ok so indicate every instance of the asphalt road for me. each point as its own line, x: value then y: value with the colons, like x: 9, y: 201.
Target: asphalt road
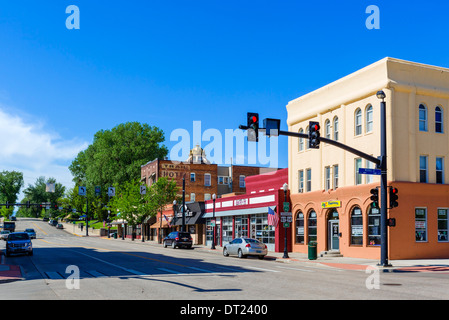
x: 65, y: 266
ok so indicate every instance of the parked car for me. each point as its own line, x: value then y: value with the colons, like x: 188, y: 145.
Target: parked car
x: 31, y: 233
x: 178, y: 239
x: 19, y: 242
x: 243, y: 247
x: 4, y: 234
x: 45, y: 219
x: 59, y: 226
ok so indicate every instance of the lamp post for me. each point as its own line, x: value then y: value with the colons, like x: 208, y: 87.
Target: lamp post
x: 174, y: 212
x: 183, y: 229
x: 383, y: 182
x: 285, y: 188
x: 213, y: 219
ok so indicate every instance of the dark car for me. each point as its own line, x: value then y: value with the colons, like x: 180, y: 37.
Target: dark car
x: 31, y: 233
x: 178, y: 239
x: 19, y: 242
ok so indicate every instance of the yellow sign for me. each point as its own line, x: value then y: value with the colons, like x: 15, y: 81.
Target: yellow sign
x: 331, y: 204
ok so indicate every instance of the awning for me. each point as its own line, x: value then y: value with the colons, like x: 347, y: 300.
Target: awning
x: 193, y: 214
x: 239, y: 212
x: 195, y: 219
x: 158, y: 224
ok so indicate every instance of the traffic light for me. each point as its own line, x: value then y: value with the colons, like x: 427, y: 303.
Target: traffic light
x: 374, y: 198
x: 28, y: 205
x: 314, y: 135
x: 7, y: 204
x: 393, y: 197
x: 253, y: 126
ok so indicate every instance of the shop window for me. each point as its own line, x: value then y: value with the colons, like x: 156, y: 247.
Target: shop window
x: 311, y: 227
x: 260, y: 229
x: 356, y: 226
x: 374, y: 227
x: 227, y: 229
x: 420, y: 224
x: 299, y: 228
x: 443, y: 226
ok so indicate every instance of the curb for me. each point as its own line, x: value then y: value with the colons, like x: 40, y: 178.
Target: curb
x: 13, y: 273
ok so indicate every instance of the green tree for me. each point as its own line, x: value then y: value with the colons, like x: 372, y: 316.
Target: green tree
x: 115, y: 158
x: 10, y: 184
x: 37, y: 194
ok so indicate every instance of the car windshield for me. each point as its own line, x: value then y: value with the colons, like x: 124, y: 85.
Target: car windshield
x: 29, y: 230
x: 5, y: 232
x: 18, y: 236
x: 184, y: 234
x: 251, y: 240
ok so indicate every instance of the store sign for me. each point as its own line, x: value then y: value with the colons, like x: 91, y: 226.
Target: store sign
x: 241, y: 202
x: 331, y: 204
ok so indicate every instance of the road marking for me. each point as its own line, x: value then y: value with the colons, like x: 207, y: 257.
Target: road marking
x: 170, y: 271
x: 96, y: 274
x: 202, y: 270
x: 40, y: 229
x: 298, y: 269
x: 261, y: 269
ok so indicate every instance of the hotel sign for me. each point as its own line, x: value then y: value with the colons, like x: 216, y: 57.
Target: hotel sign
x: 331, y: 204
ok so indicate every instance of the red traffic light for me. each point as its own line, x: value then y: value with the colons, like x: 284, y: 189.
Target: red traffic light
x: 394, y: 190
x: 254, y: 119
x: 316, y: 127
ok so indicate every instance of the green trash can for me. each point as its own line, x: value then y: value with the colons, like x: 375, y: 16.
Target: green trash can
x: 115, y: 235
x: 312, y: 251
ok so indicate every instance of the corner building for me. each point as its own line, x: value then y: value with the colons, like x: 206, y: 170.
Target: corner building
x: 331, y: 200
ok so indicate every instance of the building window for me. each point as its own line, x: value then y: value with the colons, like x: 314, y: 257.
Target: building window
x: 192, y: 197
x: 311, y: 224
x: 242, y: 181
x: 438, y: 120
x: 227, y: 229
x: 309, y: 180
x: 440, y: 170
x: 374, y: 227
x: 335, y: 176
x: 207, y: 196
x: 420, y: 224
x: 301, y: 181
x: 422, y: 118
x: 336, y: 128
x: 207, y: 179
x: 301, y: 142
x: 358, y: 122
x: 327, y: 129
x: 358, y: 176
x: 327, y: 178
x: 369, y: 118
x: 369, y: 177
x: 356, y: 226
x: 422, y: 168
x: 192, y: 177
x: 443, y: 226
x: 299, y: 227
x: 260, y: 230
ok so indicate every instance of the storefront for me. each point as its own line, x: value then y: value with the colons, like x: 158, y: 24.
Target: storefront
x: 194, y: 221
x: 247, y: 215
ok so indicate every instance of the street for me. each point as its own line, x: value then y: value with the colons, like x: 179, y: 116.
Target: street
x: 65, y: 266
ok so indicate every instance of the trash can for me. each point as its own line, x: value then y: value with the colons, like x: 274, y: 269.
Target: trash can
x: 312, y: 251
x: 115, y: 235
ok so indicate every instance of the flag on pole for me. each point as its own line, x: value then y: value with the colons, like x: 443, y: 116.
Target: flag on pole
x: 168, y: 221
x: 272, y: 217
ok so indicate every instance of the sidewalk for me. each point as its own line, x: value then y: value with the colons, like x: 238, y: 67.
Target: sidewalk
x: 8, y: 272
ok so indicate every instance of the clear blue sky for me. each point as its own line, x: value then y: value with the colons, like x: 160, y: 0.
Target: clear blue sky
x: 169, y: 63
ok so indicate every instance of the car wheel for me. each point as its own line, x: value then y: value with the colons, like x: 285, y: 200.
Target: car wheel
x: 225, y: 252
x: 261, y: 257
x: 165, y: 244
x: 173, y: 245
x: 30, y: 253
x: 241, y: 254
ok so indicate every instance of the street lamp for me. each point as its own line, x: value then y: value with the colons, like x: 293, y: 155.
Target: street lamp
x: 213, y: 219
x: 175, y: 211
x: 383, y: 182
x: 285, y: 188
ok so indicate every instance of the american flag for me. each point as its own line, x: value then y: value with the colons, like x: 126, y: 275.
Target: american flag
x: 272, y: 217
x: 168, y: 221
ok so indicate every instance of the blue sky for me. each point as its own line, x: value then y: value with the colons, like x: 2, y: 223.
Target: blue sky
x: 169, y: 63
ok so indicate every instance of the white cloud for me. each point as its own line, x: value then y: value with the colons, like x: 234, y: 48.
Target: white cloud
x: 30, y: 148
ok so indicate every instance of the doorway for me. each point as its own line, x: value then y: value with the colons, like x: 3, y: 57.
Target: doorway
x: 333, y: 231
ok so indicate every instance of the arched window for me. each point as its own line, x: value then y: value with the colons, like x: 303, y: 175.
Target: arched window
x: 358, y: 122
x: 327, y: 128
x: 299, y: 227
x: 374, y: 227
x: 311, y: 227
x: 422, y: 118
x: 301, y: 141
x: 356, y: 226
x: 369, y: 118
x: 336, y: 128
x: 438, y: 119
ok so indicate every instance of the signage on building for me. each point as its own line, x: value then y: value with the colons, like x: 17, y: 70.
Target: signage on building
x: 331, y: 204
x: 241, y: 202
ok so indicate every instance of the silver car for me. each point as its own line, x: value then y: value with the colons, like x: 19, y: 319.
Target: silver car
x: 243, y: 247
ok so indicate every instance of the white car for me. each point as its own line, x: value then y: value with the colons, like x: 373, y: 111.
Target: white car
x: 243, y: 247
x: 4, y: 234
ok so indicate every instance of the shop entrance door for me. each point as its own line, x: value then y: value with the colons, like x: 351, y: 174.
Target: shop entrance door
x: 334, y: 235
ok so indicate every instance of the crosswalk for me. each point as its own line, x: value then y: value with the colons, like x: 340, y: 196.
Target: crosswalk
x: 187, y: 270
